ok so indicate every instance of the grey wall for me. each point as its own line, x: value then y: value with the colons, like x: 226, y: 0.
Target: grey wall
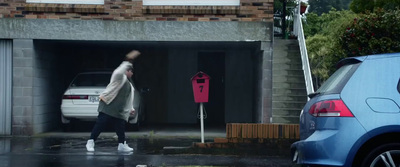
x: 46, y: 89
x: 23, y: 58
x: 265, y: 82
x: 36, y: 88
x: 134, y: 30
x: 258, y: 93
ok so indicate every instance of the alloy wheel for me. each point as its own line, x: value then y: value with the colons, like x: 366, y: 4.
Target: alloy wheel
x: 387, y: 159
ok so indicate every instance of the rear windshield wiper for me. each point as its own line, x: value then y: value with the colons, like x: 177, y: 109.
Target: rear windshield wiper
x: 311, y: 95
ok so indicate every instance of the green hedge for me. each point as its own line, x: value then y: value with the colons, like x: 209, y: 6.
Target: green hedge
x: 372, y: 33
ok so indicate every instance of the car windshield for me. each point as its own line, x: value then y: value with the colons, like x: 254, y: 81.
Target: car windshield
x: 91, y: 79
x: 336, y: 82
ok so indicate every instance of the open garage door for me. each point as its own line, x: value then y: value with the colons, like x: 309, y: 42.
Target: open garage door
x: 213, y: 64
x: 5, y: 86
x: 161, y: 74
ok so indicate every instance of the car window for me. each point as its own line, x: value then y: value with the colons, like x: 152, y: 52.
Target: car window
x: 337, y: 80
x: 100, y: 80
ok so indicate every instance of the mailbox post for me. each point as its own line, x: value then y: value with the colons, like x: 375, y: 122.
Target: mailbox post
x: 200, y: 83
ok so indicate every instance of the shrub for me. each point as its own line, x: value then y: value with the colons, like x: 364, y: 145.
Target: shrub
x: 372, y: 33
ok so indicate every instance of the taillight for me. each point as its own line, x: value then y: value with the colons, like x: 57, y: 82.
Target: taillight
x: 330, y: 108
x: 75, y: 97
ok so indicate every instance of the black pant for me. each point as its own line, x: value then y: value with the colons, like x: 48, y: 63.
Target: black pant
x: 103, y: 120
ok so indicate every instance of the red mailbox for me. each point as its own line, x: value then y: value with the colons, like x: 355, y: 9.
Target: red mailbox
x: 200, y: 83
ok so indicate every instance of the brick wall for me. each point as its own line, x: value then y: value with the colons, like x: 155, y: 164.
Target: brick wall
x: 262, y: 131
x: 249, y: 10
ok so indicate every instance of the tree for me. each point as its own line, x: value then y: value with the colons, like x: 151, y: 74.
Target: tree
x: 318, y: 47
x: 283, y: 8
x: 323, y: 45
x: 278, y: 5
x: 319, y: 6
x: 346, y: 4
x: 324, y: 6
x: 314, y: 24
x: 361, y: 6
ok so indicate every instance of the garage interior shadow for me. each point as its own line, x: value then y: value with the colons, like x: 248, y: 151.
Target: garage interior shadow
x: 165, y: 68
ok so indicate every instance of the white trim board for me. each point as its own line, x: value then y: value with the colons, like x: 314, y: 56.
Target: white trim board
x: 89, y: 2
x: 191, y: 2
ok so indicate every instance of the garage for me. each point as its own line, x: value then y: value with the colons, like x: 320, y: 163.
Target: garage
x: 164, y: 68
x: 47, y: 54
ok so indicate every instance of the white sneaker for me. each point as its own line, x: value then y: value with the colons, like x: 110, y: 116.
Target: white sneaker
x: 124, y: 147
x: 90, y: 145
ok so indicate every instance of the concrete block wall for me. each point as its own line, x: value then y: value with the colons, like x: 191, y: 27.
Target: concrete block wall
x: 266, y: 84
x: 34, y: 98
x: 249, y: 10
x: 46, y: 91
x: 23, y: 58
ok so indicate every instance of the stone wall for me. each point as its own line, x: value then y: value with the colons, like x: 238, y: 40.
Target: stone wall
x: 249, y: 10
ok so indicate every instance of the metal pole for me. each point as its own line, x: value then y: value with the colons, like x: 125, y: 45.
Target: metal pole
x: 202, y: 122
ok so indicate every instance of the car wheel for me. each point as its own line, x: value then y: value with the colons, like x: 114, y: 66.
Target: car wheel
x: 384, y: 155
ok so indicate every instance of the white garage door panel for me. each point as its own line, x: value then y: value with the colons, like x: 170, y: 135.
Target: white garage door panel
x: 5, y: 86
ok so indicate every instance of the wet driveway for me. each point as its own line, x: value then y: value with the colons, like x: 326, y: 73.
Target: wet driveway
x: 61, y: 149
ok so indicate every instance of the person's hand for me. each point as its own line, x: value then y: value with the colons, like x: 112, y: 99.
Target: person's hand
x: 132, y: 55
x: 132, y: 112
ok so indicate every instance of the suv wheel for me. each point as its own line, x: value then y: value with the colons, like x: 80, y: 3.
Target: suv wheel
x: 384, y: 155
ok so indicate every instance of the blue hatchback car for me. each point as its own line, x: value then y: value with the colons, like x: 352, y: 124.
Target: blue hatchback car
x: 353, y: 119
